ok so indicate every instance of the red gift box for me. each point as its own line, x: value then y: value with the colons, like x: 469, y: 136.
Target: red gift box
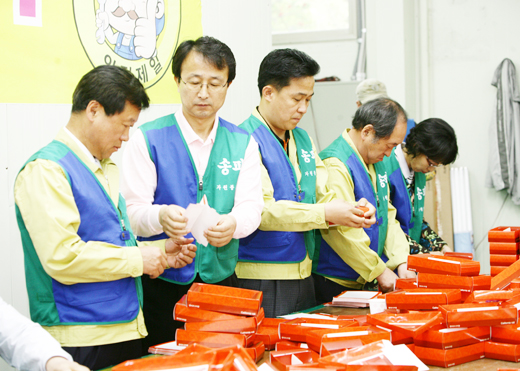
x: 463, y: 283
x: 487, y: 296
x: 428, y: 263
x: 256, y: 351
x: 415, y: 299
x: 450, y: 357
x: 502, y: 259
x: 456, y: 254
x: 503, y: 351
x: 298, y: 328
x: 504, y: 234
x: 496, y: 270
x: 346, y: 337
x: 224, y: 299
x: 503, y: 248
x: 504, y: 278
x: 409, y: 324
x: 506, y: 334
x: 406, y: 283
x: 244, y: 325
x: 477, y: 314
x: 283, y: 358
x: 441, y: 337
x: 213, y: 339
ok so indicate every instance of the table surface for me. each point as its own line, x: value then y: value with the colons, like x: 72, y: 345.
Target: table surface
x: 484, y: 364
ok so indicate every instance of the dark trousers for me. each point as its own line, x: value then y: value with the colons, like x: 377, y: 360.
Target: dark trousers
x: 326, y: 289
x: 102, y: 356
x: 160, y: 297
x: 282, y: 297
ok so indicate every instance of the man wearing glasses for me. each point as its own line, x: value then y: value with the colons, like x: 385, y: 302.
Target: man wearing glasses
x: 176, y: 160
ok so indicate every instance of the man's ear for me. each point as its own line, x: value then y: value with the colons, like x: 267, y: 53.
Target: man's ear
x: 268, y: 92
x: 367, y: 131
x: 94, y: 108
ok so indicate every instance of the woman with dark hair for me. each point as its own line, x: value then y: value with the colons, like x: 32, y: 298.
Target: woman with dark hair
x: 430, y: 143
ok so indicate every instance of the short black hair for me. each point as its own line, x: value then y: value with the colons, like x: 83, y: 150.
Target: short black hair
x: 381, y: 113
x: 214, y: 51
x: 112, y: 87
x: 281, y: 65
x: 434, y: 138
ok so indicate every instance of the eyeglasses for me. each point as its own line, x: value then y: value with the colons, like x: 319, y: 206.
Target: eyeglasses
x: 431, y: 163
x: 197, y: 86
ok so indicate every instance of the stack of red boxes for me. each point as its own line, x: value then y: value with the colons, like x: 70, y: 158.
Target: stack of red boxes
x: 503, y: 248
x: 219, y: 316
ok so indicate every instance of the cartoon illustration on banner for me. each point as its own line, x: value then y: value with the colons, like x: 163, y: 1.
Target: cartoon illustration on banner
x: 140, y: 35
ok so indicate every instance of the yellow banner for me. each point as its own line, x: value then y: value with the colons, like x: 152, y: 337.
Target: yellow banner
x: 47, y: 45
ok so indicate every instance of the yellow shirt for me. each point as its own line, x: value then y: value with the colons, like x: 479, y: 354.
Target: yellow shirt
x: 289, y: 216
x: 46, y: 203
x: 353, y: 244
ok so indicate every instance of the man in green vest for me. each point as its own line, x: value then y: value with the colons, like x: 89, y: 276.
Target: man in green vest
x: 277, y: 258
x: 348, y: 258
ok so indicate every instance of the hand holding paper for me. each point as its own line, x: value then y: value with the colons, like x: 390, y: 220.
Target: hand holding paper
x: 201, y: 217
x: 222, y: 233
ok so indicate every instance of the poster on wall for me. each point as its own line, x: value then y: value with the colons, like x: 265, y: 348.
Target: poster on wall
x: 52, y: 44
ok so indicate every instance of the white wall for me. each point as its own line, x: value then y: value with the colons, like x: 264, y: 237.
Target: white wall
x: 24, y: 128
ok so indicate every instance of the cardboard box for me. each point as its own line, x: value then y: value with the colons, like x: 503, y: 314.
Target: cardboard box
x: 448, y: 338
x: 283, y: 358
x: 450, y: 357
x: 504, y: 248
x: 463, y: 283
x: 477, y: 314
x: 420, y: 299
x: 504, y: 234
x: 437, y: 264
x: 298, y: 328
x: 409, y: 324
x: 504, y: 278
x: 346, y: 337
x: 502, y: 259
x: 506, y: 334
x: 503, y: 351
x: 213, y: 339
x: 268, y: 335
x: 182, y: 313
x: 495, y: 270
x: 224, y: 299
x: 244, y: 325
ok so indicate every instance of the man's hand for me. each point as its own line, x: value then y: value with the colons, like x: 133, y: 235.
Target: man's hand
x: 403, y: 272
x: 343, y: 213
x: 174, y: 222
x: 62, y: 364
x: 180, y: 254
x: 370, y: 215
x: 386, y: 280
x: 154, y: 261
x: 222, y: 233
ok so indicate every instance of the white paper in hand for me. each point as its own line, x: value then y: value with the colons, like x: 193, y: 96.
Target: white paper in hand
x: 201, y: 217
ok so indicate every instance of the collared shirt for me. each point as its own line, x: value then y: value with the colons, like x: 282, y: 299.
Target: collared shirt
x: 353, y: 244
x: 44, y: 197
x: 289, y: 216
x: 399, y: 155
x: 139, y: 187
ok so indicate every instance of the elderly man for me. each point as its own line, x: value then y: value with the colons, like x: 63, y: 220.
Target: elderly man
x: 276, y: 259
x: 182, y: 158
x: 82, y: 262
x: 347, y: 258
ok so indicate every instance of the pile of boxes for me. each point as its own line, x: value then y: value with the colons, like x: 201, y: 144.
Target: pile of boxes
x: 448, y: 315
x: 504, y: 245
